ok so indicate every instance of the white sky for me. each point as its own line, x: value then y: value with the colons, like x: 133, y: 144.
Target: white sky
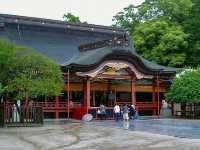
x: 93, y: 11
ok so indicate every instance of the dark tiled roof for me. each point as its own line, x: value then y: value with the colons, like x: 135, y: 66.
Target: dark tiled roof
x: 60, y: 45
x: 59, y: 24
x: 95, y: 57
x: 61, y: 41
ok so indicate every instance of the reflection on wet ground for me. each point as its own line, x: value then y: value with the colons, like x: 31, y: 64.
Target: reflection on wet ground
x: 172, y: 127
x: 97, y: 135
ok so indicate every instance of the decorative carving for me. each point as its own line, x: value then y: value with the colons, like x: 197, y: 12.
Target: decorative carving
x: 116, y: 68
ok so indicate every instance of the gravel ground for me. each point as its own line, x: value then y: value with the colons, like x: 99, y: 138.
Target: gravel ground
x: 86, y: 136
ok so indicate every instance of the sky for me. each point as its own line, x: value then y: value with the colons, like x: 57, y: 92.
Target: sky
x: 98, y: 12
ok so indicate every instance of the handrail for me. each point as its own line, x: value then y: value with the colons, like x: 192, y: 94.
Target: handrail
x: 60, y: 105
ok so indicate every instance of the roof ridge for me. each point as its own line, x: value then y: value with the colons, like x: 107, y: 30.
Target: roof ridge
x: 43, y: 21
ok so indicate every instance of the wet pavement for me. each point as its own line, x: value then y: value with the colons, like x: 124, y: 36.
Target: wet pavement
x: 73, y: 135
x: 182, y: 128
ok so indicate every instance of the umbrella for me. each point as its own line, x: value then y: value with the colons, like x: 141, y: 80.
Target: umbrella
x: 87, y: 117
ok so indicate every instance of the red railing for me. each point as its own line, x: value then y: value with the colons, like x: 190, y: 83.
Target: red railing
x: 141, y: 105
x: 77, y: 110
x: 54, y: 105
x: 146, y: 105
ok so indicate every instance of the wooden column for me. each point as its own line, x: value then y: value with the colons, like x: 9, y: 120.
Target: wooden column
x: 173, y: 109
x: 158, y: 94
x: 154, y: 97
x: 109, y: 102
x: 115, y: 96
x: 68, y: 93
x: 56, y: 105
x: 133, y: 91
x: 86, y: 89
x: 26, y: 100
x: 93, y: 97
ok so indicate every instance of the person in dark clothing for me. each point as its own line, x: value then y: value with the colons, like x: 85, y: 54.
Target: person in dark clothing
x: 132, y: 111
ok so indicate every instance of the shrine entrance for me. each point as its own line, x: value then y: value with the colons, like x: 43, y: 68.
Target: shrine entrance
x: 110, y: 91
x: 111, y: 82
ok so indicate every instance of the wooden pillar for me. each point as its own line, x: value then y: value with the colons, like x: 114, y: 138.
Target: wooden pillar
x: 68, y: 93
x: 158, y: 94
x: 108, y: 101
x: 86, y: 89
x: 115, y: 95
x: 154, y: 97
x: 93, y: 97
x: 133, y: 91
x: 26, y: 100
x: 173, y: 109
x: 56, y: 105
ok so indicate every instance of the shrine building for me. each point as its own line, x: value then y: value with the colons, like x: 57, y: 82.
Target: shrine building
x: 99, y: 66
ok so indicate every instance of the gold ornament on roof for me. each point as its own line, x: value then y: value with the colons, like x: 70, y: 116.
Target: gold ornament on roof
x: 117, y: 66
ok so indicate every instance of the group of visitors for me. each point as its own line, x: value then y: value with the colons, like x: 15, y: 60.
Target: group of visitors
x: 126, y: 111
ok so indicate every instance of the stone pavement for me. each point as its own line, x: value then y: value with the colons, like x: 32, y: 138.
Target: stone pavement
x: 80, y: 136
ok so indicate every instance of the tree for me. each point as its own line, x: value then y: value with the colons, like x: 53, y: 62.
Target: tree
x: 162, y: 42
x: 128, y: 18
x: 1, y: 89
x: 185, y: 88
x: 181, y: 13
x: 71, y: 18
x: 25, y: 72
x: 191, y: 26
x: 7, y: 57
x: 175, y: 11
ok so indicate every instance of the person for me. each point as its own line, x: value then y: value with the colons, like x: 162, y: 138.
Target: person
x: 165, y: 110
x: 132, y: 111
x: 164, y: 104
x: 116, y: 112
x: 125, y: 111
x: 102, y: 112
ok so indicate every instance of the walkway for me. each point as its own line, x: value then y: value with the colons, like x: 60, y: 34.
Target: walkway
x: 78, y: 136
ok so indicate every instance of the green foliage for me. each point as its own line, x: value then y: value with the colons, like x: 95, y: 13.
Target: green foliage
x: 7, y: 58
x: 1, y: 89
x: 153, y: 9
x: 170, y: 9
x: 179, y: 21
x: 191, y: 26
x: 185, y: 88
x: 127, y: 19
x: 25, y: 72
x: 162, y: 42
x: 71, y: 18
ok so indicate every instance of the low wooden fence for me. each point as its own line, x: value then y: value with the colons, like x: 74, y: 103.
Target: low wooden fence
x: 10, y: 115
x: 188, y: 110
x: 188, y: 114
x: 1, y: 116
